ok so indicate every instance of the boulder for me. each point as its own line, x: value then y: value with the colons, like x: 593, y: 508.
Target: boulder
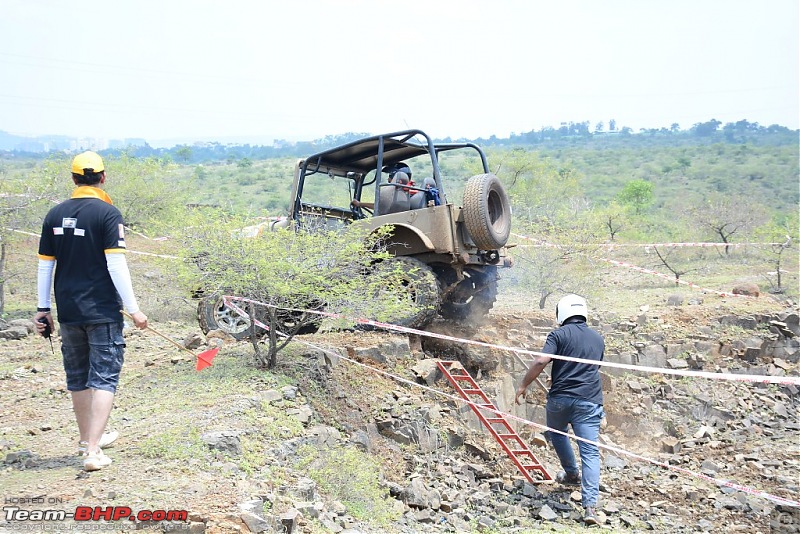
x: 746, y: 288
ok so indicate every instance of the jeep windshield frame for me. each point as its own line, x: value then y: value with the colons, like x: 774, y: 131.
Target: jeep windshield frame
x: 355, y: 160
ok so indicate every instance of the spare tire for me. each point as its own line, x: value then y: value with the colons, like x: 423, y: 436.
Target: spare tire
x: 487, y: 212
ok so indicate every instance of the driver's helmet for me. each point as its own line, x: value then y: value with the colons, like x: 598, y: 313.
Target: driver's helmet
x: 394, y: 168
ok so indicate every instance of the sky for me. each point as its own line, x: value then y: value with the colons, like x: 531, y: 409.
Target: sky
x: 174, y: 71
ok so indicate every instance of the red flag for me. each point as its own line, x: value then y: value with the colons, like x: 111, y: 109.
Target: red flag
x: 204, y: 358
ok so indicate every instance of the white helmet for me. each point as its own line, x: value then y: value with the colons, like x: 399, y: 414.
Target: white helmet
x: 570, y: 306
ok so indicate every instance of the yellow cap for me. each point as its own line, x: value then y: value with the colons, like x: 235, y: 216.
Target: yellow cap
x: 87, y: 161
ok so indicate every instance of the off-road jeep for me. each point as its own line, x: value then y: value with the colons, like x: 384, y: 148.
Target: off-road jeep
x: 451, y: 253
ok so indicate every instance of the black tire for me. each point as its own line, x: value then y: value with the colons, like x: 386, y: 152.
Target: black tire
x: 473, y: 297
x: 421, y: 290
x: 213, y: 314
x: 487, y: 212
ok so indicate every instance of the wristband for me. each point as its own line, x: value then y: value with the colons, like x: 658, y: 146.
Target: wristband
x: 43, y: 310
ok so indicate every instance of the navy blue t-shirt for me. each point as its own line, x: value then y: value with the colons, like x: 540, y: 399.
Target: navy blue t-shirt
x: 571, y: 379
x: 78, y: 233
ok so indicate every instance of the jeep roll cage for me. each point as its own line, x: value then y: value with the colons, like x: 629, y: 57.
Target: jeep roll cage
x: 355, y: 160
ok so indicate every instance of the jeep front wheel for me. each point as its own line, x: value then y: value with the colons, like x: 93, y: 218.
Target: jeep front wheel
x: 487, y: 212
x: 214, y: 314
x: 414, y: 285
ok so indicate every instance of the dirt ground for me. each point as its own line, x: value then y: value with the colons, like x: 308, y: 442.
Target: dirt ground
x: 164, y: 406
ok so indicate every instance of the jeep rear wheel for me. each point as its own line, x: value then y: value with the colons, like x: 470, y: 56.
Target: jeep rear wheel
x: 419, y: 290
x: 487, y: 212
x: 472, y: 299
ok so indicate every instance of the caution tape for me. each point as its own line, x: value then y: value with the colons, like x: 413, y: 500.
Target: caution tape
x: 167, y: 256
x: 720, y: 482
x: 758, y: 379
x: 671, y: 278
x: 700, y: 244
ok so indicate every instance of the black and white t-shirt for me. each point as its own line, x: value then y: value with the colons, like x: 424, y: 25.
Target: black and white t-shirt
x: 78, y: 233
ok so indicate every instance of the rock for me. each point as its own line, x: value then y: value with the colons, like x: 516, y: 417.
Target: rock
x: 226, y: 441
x: 362, y: 440
x: 427, y: 371
x: 220, y: 335
x: 677, y: 363
x: 193, y: 341
x: 270, y: 396
x: 670, y: 445
x: 675, y: 300
x: 547, y: 513
x: 709, y: 467
x: 653, y: 356
x: 290, y: 520
x: 302, y: 413
x: 252, y: 514
x: 416, y: 494
x: 305, y: 489
x: 612, y: 461
x: 747, y: 288
x: 325, y: 436
x: 27, y: 324
x: 14, y: 332
x: 486, y: 522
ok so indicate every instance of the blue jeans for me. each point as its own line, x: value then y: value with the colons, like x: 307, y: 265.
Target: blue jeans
x: 93, y: 355
x: 585, y: 417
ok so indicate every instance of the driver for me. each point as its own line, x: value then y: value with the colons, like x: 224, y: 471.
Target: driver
x: 391, y: 170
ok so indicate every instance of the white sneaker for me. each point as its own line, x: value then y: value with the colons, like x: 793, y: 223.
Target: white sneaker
x: 107, y: 439
x: 105, y: 442
x: 95, y: 461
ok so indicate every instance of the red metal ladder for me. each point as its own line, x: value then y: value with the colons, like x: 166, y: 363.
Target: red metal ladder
x: 505, y: 435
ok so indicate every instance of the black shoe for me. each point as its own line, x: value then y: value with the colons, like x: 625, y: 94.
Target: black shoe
x: 567, y: 479
x: 590, y: 516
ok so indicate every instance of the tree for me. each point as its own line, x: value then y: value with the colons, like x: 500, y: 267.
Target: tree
x: 783, y: 232
x: 183, y: 153
x: 705, y: 129
x: 727, y: 216
x: 145, y: 192
x: 549, y: 209
x: 638, y: 194
x: 287, y: 275
x: 25, y: 197
x: 613, y: 218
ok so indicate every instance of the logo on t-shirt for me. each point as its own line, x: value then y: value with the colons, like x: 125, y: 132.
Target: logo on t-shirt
x: 69, y: 222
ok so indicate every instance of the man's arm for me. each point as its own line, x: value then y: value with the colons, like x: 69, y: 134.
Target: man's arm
x: 121, y: 276
x: 44, y: 277
x: 533, y: 373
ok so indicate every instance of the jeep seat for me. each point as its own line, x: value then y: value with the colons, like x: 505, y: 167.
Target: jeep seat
x: 394, y: 199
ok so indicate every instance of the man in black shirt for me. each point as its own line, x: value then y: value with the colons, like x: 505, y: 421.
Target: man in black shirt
x: 83, y: 240
x: 575, y: 397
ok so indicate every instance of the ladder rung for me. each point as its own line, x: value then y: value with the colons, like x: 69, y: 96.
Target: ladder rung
x: 495, y: 420
x: 461, y: 377
x: 473, y: 391
x: 509, y: 436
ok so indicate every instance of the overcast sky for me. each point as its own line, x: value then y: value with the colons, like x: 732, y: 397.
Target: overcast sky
x: 303, y: 69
